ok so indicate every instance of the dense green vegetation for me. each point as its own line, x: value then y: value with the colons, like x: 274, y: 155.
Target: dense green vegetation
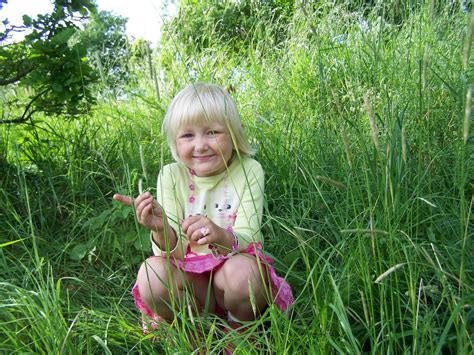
x: 361, y: 117
x: 48, y: 62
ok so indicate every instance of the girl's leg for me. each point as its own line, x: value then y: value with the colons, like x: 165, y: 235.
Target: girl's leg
x: 155, y: 289
x: 231, y: 286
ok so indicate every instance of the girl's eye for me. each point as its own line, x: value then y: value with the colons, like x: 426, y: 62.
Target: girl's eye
x: 212, y: 133
x: 186, y: 135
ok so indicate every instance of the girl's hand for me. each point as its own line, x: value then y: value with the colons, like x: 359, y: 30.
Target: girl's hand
x: 202, y: 230
x: 149, y: 213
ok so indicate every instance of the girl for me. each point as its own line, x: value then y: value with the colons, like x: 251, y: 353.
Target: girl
x: 205, y: 226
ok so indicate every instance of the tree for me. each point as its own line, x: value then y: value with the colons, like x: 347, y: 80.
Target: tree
x: 108, y: 49
x: 54, y: 70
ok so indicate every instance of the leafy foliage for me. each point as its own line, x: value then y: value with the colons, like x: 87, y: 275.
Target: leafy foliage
x: 54, y: 72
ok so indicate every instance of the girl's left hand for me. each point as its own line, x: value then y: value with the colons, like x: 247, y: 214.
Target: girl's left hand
x: 202, y: 230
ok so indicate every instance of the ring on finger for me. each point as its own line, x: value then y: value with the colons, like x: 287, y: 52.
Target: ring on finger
x: 204, y: 231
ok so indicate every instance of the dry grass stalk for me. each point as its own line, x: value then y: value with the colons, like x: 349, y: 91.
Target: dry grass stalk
x: 364, y: 307
x: 336, y: 101
x: 344, y: 133
x: 373, y: 124
x: 467, y: 115
x: 142, y: 161
x: 468, y: 45
x: 372, y: 236
x: 425, y: 66
x: 253, y: 302
x: 190, y: 313
x: 404, y: 145
x: 427, y: 202
x: 367, y: 231
x: 432, y: 10
x: 388, y: 272
x: 140, y: 186
x: 330, y: 181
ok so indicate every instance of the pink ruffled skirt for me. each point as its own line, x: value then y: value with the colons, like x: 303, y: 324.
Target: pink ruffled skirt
x: 199, y: 264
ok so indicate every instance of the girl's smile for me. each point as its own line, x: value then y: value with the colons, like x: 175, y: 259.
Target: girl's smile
x: 204, y: 157
x: 204, y: 148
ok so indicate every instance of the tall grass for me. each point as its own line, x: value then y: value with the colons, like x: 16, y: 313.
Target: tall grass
x: 362, y: 125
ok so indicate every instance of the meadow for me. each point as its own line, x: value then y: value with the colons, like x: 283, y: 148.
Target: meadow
x: 362, y: 124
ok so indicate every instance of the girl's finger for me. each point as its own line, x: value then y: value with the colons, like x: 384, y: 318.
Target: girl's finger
x: 200, y: 231
x: 194, y: 228
x: 188, y: 222
x: 141, y: 214
x: 203, y: 241
x: 146, y: 211
x: 141, y: 197
x: 196, y: 236
x: 126, y: 200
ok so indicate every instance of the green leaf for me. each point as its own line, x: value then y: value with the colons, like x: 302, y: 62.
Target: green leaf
x: 57, y: 87
x: 126, y: 211
x: 27, y: 20
x: 143, y: 241
x: 131, y: 237
x: 63, y: 36
x: 78, y: 252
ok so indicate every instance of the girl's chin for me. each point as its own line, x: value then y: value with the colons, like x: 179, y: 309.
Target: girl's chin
x: 203, y: 172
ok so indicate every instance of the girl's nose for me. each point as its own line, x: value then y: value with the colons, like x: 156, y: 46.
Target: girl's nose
x: 201, y: 143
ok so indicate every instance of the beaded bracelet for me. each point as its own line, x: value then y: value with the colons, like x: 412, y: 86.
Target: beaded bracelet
x: 235, y: 242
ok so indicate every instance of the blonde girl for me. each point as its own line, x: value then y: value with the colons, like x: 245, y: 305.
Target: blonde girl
x: 205, y: 222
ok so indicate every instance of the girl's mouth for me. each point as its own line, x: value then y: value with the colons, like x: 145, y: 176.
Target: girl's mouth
x: 203, y: 157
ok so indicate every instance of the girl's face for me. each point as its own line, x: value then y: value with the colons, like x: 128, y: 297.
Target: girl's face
x: 205, y: 148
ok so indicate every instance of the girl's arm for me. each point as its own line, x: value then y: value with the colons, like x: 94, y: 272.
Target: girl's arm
x: 150, y: 215
x: 168, y: 198
x: 247, y: 225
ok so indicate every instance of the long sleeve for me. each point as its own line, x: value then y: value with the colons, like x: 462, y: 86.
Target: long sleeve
x: 169, y: 197
x: 249, y: 213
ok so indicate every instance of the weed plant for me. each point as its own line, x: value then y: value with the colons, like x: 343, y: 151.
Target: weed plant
x: 362, y: 124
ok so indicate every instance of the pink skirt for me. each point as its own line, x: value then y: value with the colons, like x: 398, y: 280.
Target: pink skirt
x: 281, y: 291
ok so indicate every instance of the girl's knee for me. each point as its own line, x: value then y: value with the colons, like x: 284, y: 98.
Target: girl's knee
x: 152, y: 278
x: 243, y: 275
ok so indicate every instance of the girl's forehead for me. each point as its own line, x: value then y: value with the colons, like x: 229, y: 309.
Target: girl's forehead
x: 202, y: 125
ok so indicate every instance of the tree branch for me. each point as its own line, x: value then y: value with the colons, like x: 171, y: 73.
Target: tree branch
x: 16, y: 29
x: 26, y: 113
x: 16, y: 78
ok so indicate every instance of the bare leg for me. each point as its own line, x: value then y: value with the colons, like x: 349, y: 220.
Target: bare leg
x: 233, y: 283
x: 155, y: 278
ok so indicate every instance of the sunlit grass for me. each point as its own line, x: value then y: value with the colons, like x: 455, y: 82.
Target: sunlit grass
x: 362, y: 134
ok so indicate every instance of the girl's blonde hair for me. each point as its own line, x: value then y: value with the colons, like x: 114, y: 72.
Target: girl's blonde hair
x: 204, y: 103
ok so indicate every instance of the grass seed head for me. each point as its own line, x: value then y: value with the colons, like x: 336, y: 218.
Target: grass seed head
x: 388, y: 272
x: 330, y: 181
x: 373, y: 124
x: 404, y: 145
x: 467, y: 115
x: 468, y: 44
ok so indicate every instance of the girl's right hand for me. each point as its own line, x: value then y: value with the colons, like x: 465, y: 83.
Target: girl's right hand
x: 149, y: 213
